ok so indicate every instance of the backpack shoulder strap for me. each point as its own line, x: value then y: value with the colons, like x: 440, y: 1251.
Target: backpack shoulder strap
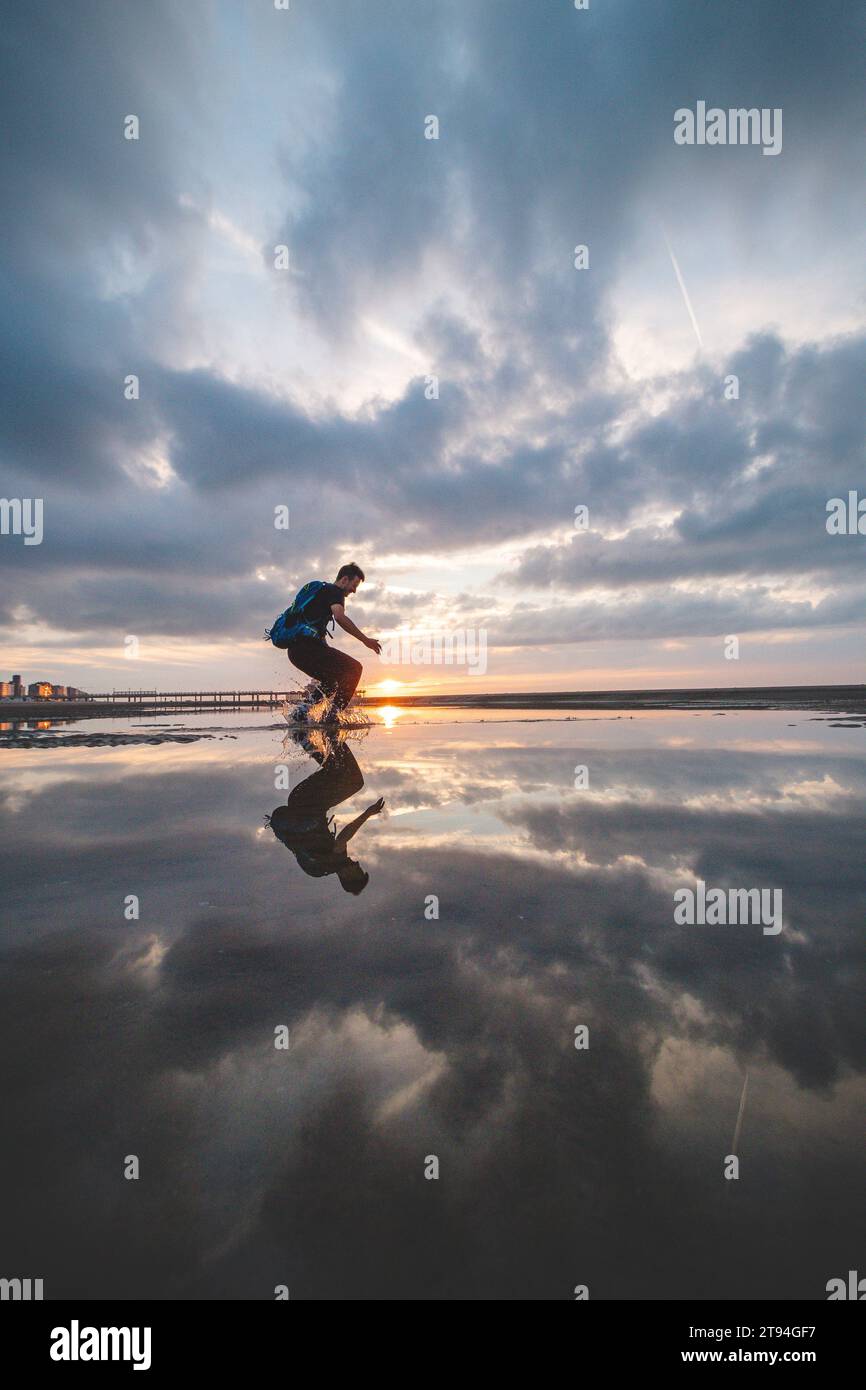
x: 306, y: 594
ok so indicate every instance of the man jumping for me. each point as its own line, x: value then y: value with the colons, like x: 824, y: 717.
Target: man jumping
x: 336, y: 674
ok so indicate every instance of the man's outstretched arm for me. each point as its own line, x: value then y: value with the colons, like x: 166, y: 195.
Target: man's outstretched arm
x: 354, y: 826
x: 347, y: 625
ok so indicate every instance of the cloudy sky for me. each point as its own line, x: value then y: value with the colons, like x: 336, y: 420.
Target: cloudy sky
x: 308, y: 386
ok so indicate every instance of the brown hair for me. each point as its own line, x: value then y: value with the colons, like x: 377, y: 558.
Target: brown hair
x: 351, y: 571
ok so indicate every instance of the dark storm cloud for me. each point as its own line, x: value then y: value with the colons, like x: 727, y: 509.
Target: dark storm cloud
x: 65, y: 422
x: 750, y: 479
x: 554, y: 126
x: 671, y: 613
x: 71, y: 74
x: 694, y: 456
x: 538, y: 106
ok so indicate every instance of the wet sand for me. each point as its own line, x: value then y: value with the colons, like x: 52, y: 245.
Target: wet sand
x: 60, y: 739
x: 413, y: 1034
x: 80, y: 733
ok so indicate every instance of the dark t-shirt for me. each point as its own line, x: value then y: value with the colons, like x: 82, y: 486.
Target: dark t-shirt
x: 318, y: 611
x: 312, y: 840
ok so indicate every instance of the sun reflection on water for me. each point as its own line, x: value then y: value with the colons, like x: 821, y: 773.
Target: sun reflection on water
x: 389, y: 714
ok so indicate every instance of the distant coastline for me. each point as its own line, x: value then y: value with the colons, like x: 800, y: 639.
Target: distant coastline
x: 828, y: 698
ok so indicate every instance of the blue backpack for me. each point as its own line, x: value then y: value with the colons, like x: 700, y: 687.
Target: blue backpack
x: 290, y: 624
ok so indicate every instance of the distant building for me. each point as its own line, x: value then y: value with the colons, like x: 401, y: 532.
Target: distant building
x: 39, y: 690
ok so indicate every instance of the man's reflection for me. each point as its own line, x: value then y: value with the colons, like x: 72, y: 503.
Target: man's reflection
x: 305, y: 826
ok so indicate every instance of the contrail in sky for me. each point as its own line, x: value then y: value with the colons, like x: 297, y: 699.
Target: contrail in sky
x: 685, y: 293
x: 739, y: 1125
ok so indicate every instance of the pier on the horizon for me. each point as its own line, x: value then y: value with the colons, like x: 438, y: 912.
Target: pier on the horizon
x: 817, y: 698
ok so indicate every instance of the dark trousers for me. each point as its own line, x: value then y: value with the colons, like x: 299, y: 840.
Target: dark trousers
x: 336, y: 673
x: 336, y: 781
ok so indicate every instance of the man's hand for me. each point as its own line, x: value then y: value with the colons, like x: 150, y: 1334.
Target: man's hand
x: 348, y: 626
